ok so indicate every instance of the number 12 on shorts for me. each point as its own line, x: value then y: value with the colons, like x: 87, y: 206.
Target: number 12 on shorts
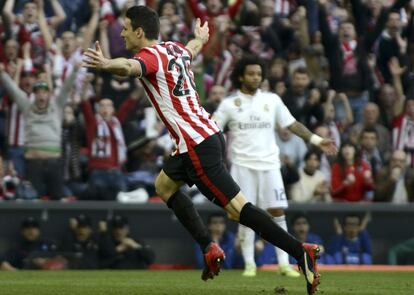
x: 280, y: 194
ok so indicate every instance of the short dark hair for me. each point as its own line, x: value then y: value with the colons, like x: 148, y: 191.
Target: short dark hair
x: 240, y: 67
x: 351, y: 215
x: 311, y: 152
x: 299, y: 215
x: 145, y: 18
x: 300, y: 70
x: 369, y: 130
x: 215, y: 215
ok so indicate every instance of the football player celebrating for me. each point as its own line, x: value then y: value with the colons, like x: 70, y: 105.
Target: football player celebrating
x: 164, y: 70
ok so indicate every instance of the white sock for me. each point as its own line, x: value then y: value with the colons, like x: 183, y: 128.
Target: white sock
x: 282, y: 256
x: 246, y: 236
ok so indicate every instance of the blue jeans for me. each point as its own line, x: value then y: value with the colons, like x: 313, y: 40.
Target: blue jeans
x: 105, y: 185
x: 16, y: 156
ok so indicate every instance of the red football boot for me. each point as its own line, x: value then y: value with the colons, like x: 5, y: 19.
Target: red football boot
x: 308, y: 265
x: 213, y: 259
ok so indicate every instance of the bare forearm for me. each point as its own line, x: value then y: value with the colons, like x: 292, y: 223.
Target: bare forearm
x: 195, y: 46
x: 119, y: 66
x: 45, y: 30
x: 348, y: 111
x: 90, y: 32
x: 60, y: 14
x: 300, y: 130
x: 8, y: 11
x: 103, y: 38
x: 399, y: 103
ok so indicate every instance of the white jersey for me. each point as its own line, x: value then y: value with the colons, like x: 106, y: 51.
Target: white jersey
x: 251, y: 121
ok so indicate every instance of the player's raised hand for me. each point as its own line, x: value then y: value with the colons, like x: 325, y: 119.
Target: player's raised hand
x: 201, y: 32
x: 328, y: 147
x: 94, y: 58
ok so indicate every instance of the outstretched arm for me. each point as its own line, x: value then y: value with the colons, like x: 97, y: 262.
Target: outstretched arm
x: 94, y: 58
x: 325, y: 144
x: 201, y: 34
x: 60, y: 14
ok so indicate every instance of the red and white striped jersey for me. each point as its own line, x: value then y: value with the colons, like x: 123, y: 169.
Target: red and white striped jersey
x: 169, y: 83
x: 14, y: 121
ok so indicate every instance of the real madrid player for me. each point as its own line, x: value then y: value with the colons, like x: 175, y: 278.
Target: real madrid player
x: 251, y: 117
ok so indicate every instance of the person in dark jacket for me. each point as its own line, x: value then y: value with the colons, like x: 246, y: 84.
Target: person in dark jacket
x: 31, y: 252
x: 118, y: 250
x: 80, y: 246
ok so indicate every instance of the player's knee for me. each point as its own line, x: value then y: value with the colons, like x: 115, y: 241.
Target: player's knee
x: 161, y: 189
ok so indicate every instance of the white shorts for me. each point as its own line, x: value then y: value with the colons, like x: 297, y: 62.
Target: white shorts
x: 263, y: 188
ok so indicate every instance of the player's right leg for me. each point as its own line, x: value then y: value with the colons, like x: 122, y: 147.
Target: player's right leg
x: 248, y: 182
x: 261, y: 222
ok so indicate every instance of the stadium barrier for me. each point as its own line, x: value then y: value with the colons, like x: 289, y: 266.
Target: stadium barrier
x: 155, y: 223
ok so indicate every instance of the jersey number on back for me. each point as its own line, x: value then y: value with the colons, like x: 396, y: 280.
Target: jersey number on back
x: 179, y: 88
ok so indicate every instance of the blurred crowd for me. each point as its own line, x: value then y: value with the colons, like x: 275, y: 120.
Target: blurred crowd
x: 110, y: 246
x: 344, y: 68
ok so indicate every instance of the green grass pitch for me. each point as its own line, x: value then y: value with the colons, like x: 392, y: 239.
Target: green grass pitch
x: 189, y: 282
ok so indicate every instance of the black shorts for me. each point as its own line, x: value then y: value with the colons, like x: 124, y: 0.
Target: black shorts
x: 204, y: 166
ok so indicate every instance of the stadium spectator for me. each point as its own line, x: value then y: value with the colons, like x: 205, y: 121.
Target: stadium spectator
x: 22, y: 72
x: 347, y: 56
x: 352, y: 244
x: 9, y: 181
x: 118, y: 250
x: 218, y: 18
x: 391, y: 44
x: 351, y: 176
x: 336, y: 126
x: 369, y: 150
x: 106, y: 146
x: 43, y: 132
x: 72, y: 134
x: 80, y: 245
x: 292, y: 147
x: 215, y: 96
x: 304, y: 103
x: 312, y: 185
x: 68, y: 52
x: 395, y: 182
x: 145, y: 162
x: 32, y: 251
x: 402, y: 253
x: 216, y: 225
x: 325, y: 161
x: 32, y: 26
x: 403, y: 129
x: 370, y: 120
x: 301, y: 230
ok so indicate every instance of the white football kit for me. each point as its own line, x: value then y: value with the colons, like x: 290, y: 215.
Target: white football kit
x: 252, y: 149
x: 254, y: 157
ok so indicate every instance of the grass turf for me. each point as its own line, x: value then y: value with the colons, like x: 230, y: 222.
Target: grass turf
x: 189, y: 282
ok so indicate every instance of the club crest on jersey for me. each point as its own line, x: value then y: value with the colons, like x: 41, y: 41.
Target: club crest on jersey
x: 266, y: 107
x: 237, y: 102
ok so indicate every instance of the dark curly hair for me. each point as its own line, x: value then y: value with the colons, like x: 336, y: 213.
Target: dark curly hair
x: 240, y: 67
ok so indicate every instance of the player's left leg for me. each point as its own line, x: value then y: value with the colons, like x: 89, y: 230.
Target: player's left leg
x: 169, y: 190
x: 272, y: 197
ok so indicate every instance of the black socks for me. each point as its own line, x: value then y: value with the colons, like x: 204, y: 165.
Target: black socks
x: 184, y: 209
x: 261, y: 222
